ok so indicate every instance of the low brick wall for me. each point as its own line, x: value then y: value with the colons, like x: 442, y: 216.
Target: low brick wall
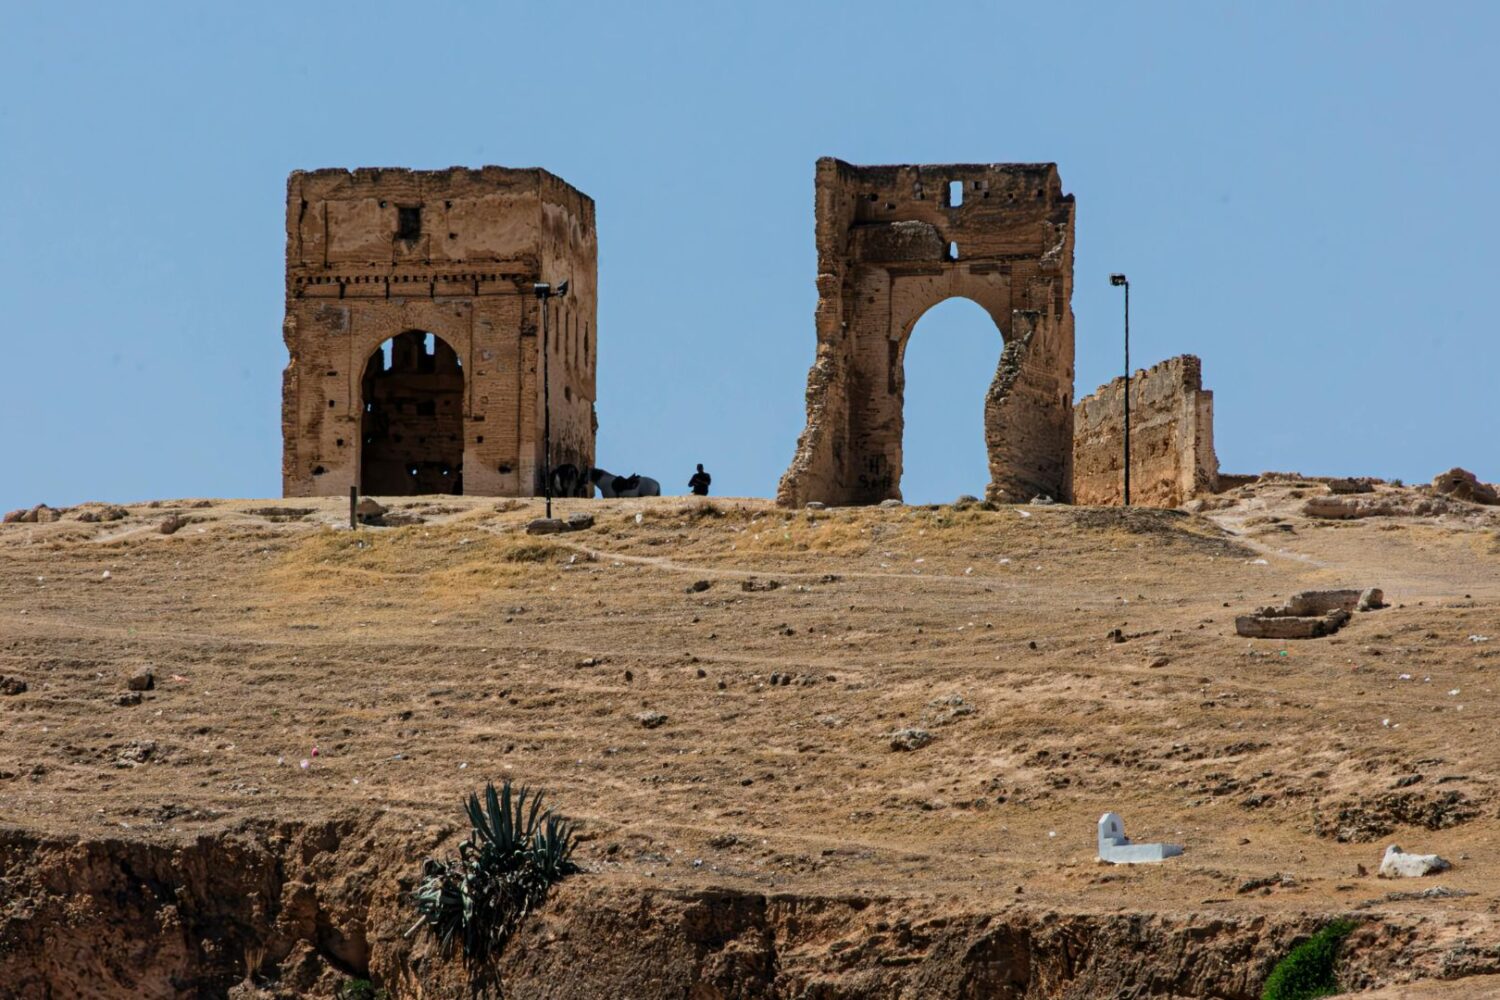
x: 1171, y: 438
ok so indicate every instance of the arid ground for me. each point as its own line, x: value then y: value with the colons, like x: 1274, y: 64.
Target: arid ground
x: 718, y: 692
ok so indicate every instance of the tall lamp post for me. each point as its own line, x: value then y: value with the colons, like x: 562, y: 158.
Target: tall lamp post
x: 544, y: 293
x: 1120, y: 280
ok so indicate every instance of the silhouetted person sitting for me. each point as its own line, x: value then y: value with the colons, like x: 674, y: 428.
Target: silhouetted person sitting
x: 699, y: 483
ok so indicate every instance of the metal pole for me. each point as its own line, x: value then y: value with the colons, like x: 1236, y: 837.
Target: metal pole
x: 353, y: 505
x: 546, y: 410
x: 1127, y: 393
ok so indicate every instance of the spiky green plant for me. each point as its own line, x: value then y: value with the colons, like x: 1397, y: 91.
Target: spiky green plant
x: 516, y: 851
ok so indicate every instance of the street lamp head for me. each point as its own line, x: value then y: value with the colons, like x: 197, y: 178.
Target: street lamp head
x: 1118, y: 279
x: 542, y: 289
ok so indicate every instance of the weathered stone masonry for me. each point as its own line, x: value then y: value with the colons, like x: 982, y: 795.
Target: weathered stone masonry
x: 895, y: 241
x: 377, y: 255
x: 1171, y: 438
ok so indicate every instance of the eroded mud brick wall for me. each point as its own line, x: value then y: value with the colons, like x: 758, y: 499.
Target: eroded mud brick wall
x: 895, y: 241
x: 1171, y: 438
x: 413, y: 330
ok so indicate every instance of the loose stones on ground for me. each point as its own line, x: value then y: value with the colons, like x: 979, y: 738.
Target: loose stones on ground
x: 1309, y: 614
x: 910, y: 739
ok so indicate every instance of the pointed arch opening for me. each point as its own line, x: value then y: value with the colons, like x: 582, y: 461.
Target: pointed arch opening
x: 412, y: 430
x: 947, y: 366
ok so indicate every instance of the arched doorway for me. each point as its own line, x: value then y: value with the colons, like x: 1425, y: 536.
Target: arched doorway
x: 412, y: 430
x: 945, y: 372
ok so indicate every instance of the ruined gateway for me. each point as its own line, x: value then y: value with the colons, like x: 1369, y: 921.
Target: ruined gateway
x: 894, y: 241
x: 413, y: 330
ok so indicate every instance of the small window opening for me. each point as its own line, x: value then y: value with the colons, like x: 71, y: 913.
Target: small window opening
x: 318, y: 470
x: 955, y: 193
x: 331, y: 404
x: 953, y: 251
x: 408, y: 222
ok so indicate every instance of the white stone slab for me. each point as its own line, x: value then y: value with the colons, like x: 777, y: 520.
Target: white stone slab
x: 1116, y: 848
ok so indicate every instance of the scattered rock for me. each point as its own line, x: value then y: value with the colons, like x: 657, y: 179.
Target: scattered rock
x: 890, y: 504
x: 815, y: 505
x: 1341, y: 508
x: 1115, y: 635
x: 952, y: 707
x: 910, y: 739
x: 135, y: 753
x: 1308, y: 614
x: 126, y: 699
x: 1043, y: 500
x: 650, y: 720
x: 723, y: 841
x: 580, y: 522
x: 172, y: 524
x: 1158, y: 661
x: 1398, y: 864
x: 107, y: 513
x: 12, y: 685
x: 369, y: 511
x: 1461, y: 484
x: 1372, y: 817
x: 752, y: 585
x: 1343, y: 486
x: 546, y: 526
x: 698, y: 586
x: 40, y: 514
x: 965, y: 500
x: 141, y: 680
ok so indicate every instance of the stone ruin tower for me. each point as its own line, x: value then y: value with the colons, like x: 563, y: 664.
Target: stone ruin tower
x: 892, y: 243
x: 414, y: 330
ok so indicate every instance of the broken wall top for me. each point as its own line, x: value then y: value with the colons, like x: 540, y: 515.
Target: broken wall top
x: 1006, y: 211
x: 353, y: 219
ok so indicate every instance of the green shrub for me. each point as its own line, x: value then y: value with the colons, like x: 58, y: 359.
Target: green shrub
x: 360, y: 989
x: 1307, y: 970
x: 516, y: 851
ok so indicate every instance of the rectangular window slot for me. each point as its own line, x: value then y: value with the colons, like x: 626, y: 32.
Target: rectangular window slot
x: 955, y: 193
x: 408, y: 222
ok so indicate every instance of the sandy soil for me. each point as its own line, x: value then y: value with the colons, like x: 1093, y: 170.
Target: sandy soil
x: 420, y: 661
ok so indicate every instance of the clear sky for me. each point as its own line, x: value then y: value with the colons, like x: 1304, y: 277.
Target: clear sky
x: 1305, y: 195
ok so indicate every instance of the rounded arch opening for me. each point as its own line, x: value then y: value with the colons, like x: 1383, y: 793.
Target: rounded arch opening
x: 947, y: 363
x: 412, y: 417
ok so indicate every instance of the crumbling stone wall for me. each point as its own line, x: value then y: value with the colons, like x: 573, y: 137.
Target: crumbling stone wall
x: 893, y: 242
x: 377, y: 255
x: 1171, y: 438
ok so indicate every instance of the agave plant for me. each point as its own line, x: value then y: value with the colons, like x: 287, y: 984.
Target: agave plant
x: 516, y: 851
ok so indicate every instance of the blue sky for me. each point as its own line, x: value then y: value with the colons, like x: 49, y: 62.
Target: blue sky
x: 1305, y: 195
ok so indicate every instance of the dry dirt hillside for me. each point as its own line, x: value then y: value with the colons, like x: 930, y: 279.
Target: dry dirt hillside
x: 825, y: 754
